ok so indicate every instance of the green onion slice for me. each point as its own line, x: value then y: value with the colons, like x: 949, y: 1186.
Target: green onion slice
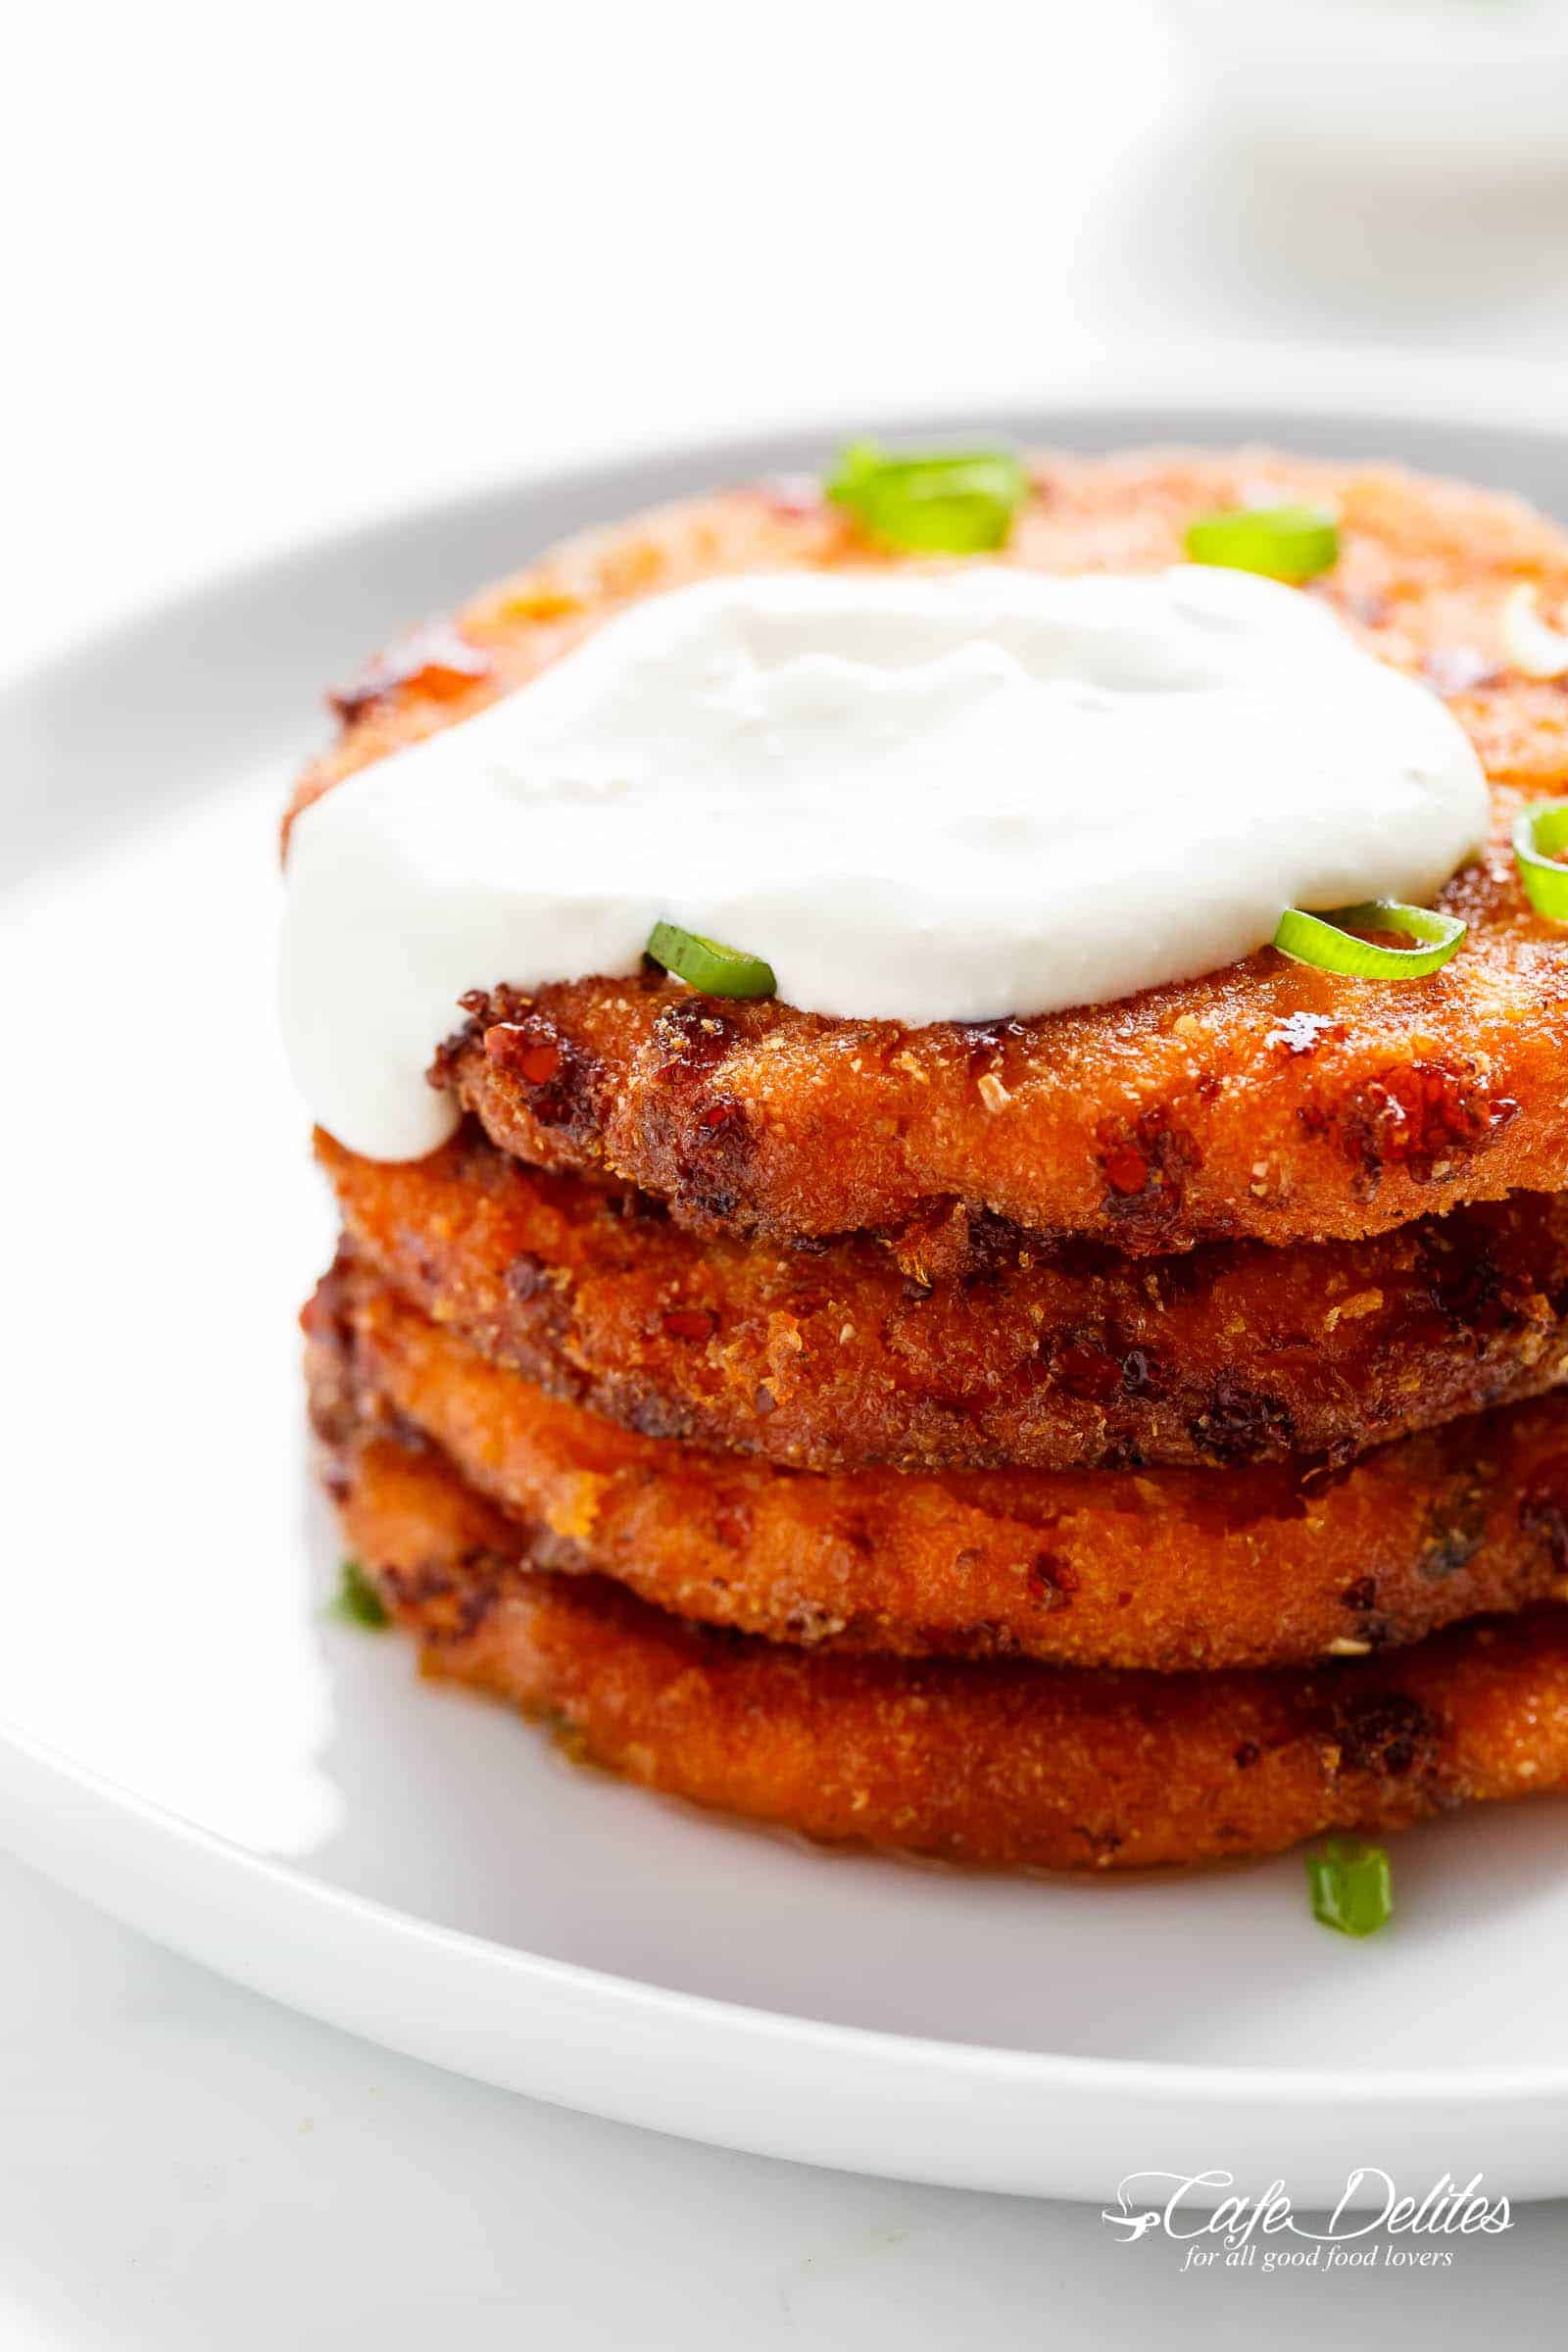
x: 1539, y: 838
x: 958, y: 503
x: 1287, y: 543
x: 707, y: 964
x: 1331, y: 943
x: 1350, y: 1886
x: 358, y: 1601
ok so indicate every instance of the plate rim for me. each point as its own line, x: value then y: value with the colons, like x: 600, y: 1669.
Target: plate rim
x: 1245, y: 2085
x: 1395, y: 387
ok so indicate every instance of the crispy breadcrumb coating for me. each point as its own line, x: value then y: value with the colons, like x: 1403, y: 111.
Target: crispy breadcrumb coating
x: 1008, y: 1763
x: 1267, y: 1100
x: 1167, y: 1570
x: 982, y: 1347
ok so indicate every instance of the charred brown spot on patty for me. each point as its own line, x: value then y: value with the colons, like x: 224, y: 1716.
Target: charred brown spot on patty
x: 692, y: 1038
x: 1387, y: 1734
x: 1146, y: 1162
x: 1241, y: 1425
x: 557, y: 1080
x: 1057, y: 1578
x: 1456, y: 1527
x: 1425, y: 1119
x: 450, y: 1601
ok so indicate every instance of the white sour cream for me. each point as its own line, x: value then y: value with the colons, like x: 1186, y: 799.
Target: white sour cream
x: 922, y: 797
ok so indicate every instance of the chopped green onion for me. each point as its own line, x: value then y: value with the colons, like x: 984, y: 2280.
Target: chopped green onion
x: 705, y: 964
x: 1350, y: 1886
x: 358, y: 1601
x: 1539, y: 838
x: 1331, y: 941
x: 1287, y: 543
x: 958, y: 503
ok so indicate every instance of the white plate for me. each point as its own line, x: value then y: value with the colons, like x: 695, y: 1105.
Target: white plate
x: 193, y: 1746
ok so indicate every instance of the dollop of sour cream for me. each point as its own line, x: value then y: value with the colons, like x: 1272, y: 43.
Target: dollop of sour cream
x: 923, y: 797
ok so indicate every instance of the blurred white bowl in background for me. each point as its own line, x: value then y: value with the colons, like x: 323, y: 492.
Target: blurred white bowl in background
x: 1470, y: 86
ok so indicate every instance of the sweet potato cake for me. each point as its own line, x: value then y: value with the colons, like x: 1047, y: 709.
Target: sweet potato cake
x: 1002, y: 1763
x: 981, y: 1347
x: 1127, y: 1435
x: 1172, y: 1569
x: 1266, y: 1101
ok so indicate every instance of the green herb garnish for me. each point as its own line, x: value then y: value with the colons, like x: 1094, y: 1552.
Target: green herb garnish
x: 1285, y: 543
x: 357, y: 1600
x: 1331, y: 941
x: 1350, y: 1886
x: 938, y: 503
x: 707, y: 964
x: 1539, y: 838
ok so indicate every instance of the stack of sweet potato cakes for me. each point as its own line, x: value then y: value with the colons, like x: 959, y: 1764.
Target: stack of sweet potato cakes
x: 1128, y: 1436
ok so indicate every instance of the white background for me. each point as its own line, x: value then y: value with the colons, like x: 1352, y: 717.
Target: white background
x: 271, y: 270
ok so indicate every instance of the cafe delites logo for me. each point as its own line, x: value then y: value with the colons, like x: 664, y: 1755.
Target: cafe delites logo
x: 1373, y: 2226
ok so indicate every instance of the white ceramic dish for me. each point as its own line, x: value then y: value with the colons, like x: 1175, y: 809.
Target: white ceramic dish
x: 193, y: 1746
x: 1431, y: 89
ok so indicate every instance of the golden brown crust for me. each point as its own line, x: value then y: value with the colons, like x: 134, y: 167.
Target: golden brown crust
x: 1266, y: 1101
x: 1005, y: 1352
x: 996, y: 1763
x: 1170, y: 1570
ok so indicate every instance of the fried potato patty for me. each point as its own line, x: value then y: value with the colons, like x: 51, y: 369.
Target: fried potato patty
x: 1168, y: 1570
x: 1267, y: 1100
x: 995, y: 1351
x: 1008, y: 1763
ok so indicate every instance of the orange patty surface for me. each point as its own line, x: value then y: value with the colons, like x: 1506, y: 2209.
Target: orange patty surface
x: 1267, y: 1100
x: 982, y: 1347
x: 1008, y: 1764
x: 1166, y: 1570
